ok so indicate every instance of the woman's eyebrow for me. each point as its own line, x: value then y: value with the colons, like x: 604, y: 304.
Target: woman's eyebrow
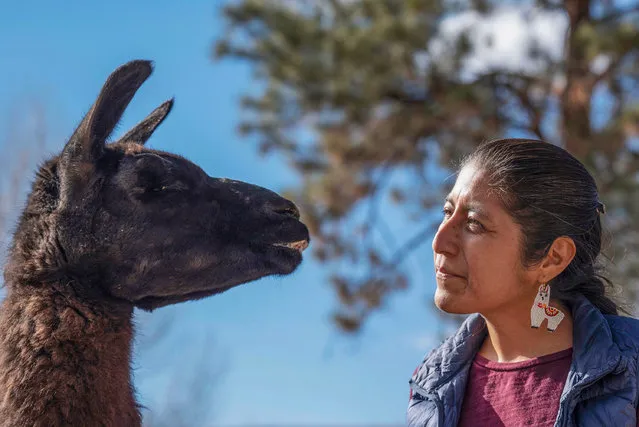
x: 471, y: 207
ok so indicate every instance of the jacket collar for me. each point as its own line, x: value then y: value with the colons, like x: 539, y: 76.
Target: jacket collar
x: 594, y: 351
x: 447, y: 360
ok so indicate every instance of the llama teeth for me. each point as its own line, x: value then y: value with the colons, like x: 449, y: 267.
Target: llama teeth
x: 300, y: 245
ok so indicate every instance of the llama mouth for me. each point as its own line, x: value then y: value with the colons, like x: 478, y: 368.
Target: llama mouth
x: 299, y: 245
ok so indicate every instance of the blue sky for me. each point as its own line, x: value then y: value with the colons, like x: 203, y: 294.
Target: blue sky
x: 281, y: 360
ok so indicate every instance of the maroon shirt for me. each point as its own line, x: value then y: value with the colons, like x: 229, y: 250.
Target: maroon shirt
x: 515, y: 394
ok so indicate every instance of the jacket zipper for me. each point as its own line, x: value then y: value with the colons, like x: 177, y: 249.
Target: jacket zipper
x: 578, y: 388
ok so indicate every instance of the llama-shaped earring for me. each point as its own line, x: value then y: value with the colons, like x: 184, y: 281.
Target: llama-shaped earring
x: 541, y: 310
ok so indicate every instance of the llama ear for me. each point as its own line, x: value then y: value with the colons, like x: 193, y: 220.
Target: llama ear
x: 87, y: 142
x: 141, y: 132
x: 86, y: 145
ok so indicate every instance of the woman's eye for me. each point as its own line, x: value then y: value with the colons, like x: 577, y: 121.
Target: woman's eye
x: 475, y: 226
x: 472, y: 224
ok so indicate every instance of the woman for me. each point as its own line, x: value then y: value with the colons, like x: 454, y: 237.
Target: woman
x: 544, y: 346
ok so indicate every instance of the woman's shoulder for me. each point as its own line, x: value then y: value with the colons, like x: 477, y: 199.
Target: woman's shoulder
x: 625, y: 331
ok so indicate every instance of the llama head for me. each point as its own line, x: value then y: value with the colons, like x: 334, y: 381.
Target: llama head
x: 145, y: 227
x: 543, y: 292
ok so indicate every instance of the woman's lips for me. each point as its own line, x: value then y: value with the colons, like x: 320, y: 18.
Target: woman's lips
x: 444, y: 273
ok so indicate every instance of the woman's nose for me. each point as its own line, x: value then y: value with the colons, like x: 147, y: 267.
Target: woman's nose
x: 446, y: 240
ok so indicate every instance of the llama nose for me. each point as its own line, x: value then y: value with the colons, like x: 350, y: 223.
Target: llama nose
x: 284, y: 207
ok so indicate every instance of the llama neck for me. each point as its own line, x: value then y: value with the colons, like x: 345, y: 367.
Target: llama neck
x: 63, y: 362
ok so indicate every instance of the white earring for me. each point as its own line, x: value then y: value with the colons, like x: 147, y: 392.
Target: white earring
x: 541, y: 310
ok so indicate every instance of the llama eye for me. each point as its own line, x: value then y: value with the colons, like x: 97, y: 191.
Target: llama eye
x: 176, y: 186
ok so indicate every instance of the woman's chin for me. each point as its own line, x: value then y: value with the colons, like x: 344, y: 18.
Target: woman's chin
x: 449, y: 302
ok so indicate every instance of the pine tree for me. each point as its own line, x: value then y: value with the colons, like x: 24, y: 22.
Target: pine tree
x: 358, y: 91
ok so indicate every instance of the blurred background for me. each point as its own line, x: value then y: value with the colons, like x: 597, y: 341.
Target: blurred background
x: 358, y: 110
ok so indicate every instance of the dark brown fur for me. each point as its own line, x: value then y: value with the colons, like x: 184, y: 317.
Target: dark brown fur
x: 113, y: 226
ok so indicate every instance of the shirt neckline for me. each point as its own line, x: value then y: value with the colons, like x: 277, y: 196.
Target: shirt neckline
x: 513, y: 366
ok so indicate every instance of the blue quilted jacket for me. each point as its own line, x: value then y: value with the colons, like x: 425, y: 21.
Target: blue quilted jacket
x: 600, y: 390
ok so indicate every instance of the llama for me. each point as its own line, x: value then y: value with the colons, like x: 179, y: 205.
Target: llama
x: 541, y: 310
x: 110, y: 226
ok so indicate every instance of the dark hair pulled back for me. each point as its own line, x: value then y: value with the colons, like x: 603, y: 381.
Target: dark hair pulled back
x: 550, y: 194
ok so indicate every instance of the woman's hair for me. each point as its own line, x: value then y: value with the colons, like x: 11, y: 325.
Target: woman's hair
x: 549, y: 193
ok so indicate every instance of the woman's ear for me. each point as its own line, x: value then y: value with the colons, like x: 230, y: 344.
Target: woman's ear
x: 559, y: 256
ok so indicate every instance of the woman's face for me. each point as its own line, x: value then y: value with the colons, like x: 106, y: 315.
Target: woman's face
x: 477, y: 251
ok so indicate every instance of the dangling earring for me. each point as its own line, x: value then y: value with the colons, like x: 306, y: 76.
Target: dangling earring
x: 541, y: 310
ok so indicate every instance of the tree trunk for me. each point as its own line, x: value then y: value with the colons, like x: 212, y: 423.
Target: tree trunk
x: 575, y: 100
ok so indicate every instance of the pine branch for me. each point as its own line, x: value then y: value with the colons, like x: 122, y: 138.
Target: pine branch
x: 504, y: 80
x: 410, y: 245
x: 617, y: 14
x: 374, y: 219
